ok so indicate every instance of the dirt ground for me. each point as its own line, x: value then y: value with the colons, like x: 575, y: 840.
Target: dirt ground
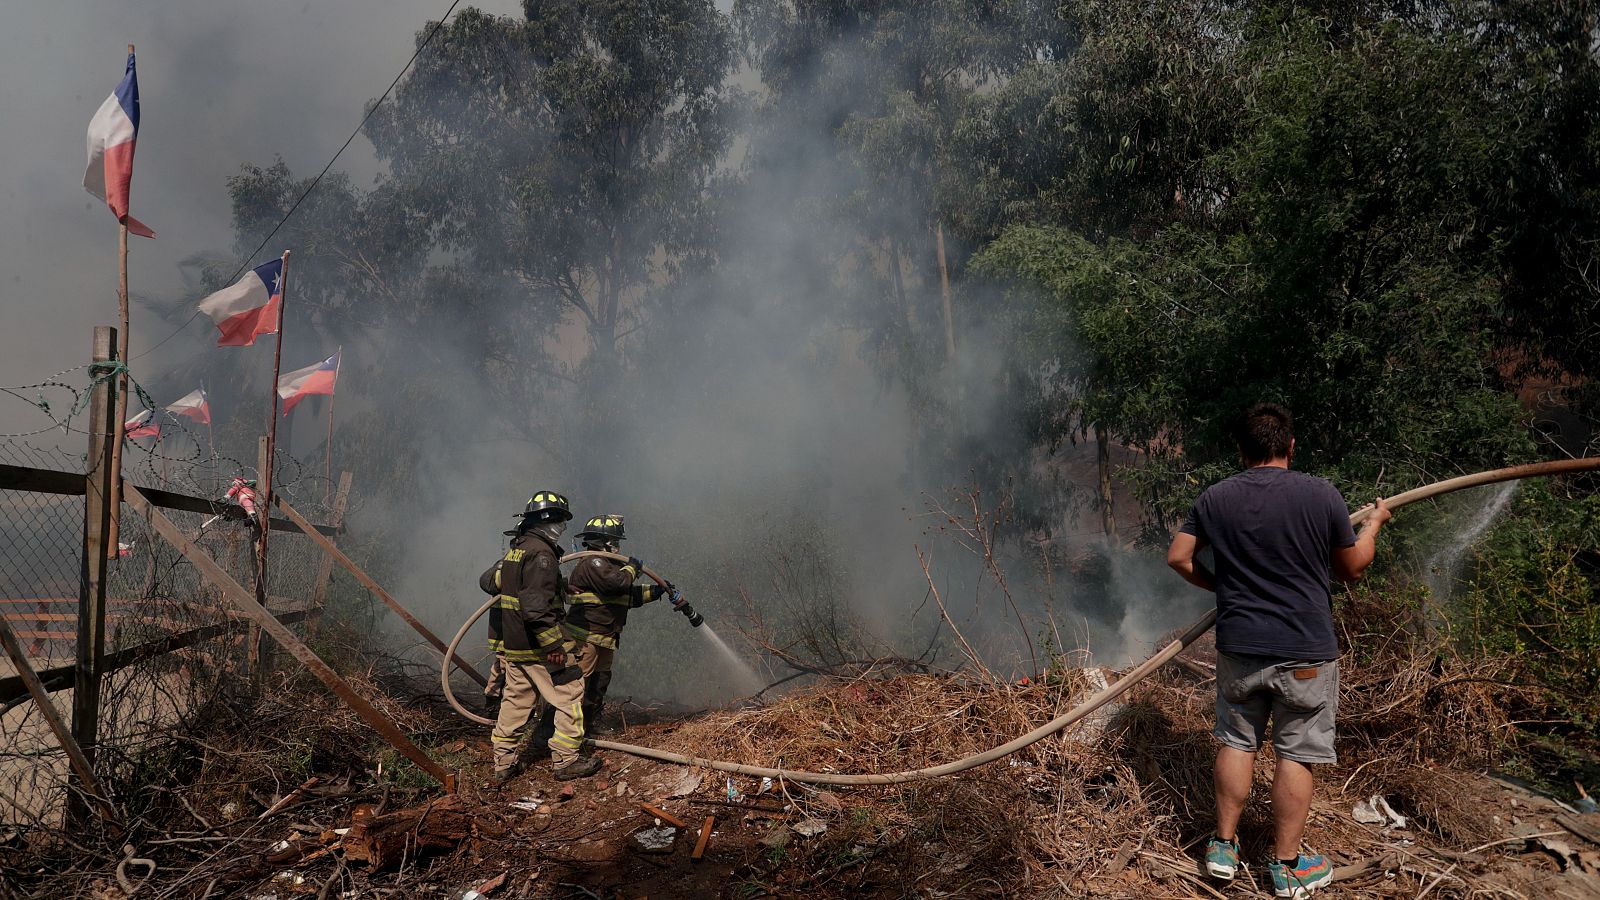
x: 579, y: 840
x: 1117, y: 809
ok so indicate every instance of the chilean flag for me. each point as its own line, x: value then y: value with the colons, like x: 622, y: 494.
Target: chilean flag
x: 145, y: 424
x: 248, y: 308
x: 193, y: 405
x: 112, y: 132
x: 308, y: 382
x: 148, y: 423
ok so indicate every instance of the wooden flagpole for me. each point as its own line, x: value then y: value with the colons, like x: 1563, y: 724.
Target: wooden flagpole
x: 272, y: 437
x: 122, y: 382
x: 339, y: 354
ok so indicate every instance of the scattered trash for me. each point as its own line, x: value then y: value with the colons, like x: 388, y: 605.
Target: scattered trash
x: 687, y: 784
x: 1376, y: 811
x: 528, y: 804
x: 810, y: 827
x: 656, y: 840
x: 289, y: 879
x: 733, y: 792
x: 766, y: 785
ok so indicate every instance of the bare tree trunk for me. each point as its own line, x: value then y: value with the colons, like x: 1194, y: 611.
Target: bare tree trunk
x: 944, y: 288
x: 1108, y: 516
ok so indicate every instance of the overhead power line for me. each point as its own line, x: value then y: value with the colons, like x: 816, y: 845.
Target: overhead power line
x: 325, y: 169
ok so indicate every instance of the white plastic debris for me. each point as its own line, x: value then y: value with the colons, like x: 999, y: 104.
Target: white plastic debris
x: 766, y: 785
x: 1376, y: 811
x: 810, y: 827
x: 527, y: 804
x: 656, y: 840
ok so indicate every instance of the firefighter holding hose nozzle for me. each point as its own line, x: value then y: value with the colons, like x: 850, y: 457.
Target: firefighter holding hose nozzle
x: 538, y: 659
x: 600, y: 593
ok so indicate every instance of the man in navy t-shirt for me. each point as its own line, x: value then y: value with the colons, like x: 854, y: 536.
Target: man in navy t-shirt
x: 1277, y: 538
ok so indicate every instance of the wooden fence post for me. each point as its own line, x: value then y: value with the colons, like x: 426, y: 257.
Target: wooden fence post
x: 319, y: 594
x: 95, y: 568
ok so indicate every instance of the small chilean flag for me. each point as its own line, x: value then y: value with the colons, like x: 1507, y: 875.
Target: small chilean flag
x: 193, y: 405
x: 145, y: 424
x: 148, y: 423
x: 112, y: 132
x: 308, y: 382
x: 249, y: 307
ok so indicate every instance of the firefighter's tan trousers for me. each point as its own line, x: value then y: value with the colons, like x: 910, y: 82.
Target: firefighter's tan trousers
x: 525, y: 684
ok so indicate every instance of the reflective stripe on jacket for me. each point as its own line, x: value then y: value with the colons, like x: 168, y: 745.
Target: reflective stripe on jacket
x: 526, y: 617
x: 601, y: 591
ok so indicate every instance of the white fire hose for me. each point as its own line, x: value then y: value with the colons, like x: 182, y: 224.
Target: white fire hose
x: 1083, y: 710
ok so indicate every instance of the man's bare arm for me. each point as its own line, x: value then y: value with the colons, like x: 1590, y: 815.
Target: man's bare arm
x: 1181, y: 556
x: 1350, y: 563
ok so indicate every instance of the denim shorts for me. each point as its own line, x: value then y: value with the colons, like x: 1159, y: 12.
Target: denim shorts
x: 1299, y: 697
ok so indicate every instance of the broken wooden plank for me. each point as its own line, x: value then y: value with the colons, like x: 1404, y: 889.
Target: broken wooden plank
x: 376, y: 589
x: 382, y: 841
x: 41, y: 697
x: 42, y: 481
x: 663, y: 815
x: 705, y: 838
x: 241, y: 598
x: 1579, y: 827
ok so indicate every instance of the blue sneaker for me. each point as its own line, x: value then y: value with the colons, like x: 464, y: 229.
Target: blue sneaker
x: 1222, y: 859
x: 1308, y: 874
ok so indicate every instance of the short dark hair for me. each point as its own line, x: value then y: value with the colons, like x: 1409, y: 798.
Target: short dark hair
x: 1264, y: 432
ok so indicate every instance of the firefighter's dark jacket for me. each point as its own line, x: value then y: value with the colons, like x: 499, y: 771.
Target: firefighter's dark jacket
x: 525, y: 620
x: 599, y: 595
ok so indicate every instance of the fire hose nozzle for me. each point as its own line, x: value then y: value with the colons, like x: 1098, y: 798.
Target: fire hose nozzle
x: 682, y: 605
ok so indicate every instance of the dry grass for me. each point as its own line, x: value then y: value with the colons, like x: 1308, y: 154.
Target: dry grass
x: 1418, y: 725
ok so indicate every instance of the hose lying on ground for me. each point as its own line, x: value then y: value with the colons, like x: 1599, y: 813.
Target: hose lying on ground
x: 1079, y: 713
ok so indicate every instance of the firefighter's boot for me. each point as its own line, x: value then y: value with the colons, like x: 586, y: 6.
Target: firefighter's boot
x: 582, y: 767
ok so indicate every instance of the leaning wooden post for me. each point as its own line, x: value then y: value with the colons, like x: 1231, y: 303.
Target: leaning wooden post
x: 41, y: 698
x: 98, y: 500
x: 319, y: 595
x: 367, y: 581
x: 235, y: 593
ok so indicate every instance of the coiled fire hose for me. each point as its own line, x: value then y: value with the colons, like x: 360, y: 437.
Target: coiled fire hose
x: 1083, y: 710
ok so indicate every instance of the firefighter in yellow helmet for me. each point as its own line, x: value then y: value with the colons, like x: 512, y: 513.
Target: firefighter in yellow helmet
x: 525, y: 633
x: 600, y: 592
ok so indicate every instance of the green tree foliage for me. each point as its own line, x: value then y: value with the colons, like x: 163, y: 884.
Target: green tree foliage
x: 1533, y: 592
x: 1345, y: 256
x: 566, y: 150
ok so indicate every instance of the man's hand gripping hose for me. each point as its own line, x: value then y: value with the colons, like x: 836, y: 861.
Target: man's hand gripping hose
x: 1082, y: 711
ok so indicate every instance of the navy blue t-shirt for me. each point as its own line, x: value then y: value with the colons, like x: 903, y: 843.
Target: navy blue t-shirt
x: 1272, y: 532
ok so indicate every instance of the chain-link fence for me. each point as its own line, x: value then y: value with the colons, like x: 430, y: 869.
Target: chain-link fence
x: 174, y: 645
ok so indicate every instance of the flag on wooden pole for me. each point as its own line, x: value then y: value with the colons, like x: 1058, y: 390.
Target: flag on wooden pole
x: 308, y: 382
x: 112, y: 134
x: 249, y: 307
